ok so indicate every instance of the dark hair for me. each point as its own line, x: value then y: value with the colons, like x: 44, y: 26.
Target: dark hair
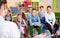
x: 2, y: 2
x: 33, y: 9
x: 41, y: 6
x: 49, y: 7
x: 8, y: 10
x: 23, y: 16
x: 18, y: 15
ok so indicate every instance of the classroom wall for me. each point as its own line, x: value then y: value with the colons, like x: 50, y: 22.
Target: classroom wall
x: 43, y: 3
x: 13, y: 2
x: 53, y: 3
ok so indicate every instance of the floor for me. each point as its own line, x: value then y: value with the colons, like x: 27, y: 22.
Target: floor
x: 48, y: 35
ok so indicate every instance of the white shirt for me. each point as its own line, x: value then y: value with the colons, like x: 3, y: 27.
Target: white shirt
x: 41, y: 14
x: 8, y: 29
x: 50, y: 18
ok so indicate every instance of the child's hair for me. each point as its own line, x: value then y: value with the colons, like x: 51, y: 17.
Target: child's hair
x: 49, y: 7
x: 23, y: 16
x: 18, y: 14
x: 10, y: 12
x: 3, y: 2
x: 41, y: 7
x: 33, y: 9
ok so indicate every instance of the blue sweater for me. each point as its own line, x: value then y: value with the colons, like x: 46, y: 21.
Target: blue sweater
x: 34, y: 19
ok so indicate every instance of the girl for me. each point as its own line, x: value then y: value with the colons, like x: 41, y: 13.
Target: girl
x: 8, y: 17
x: 22, y: 25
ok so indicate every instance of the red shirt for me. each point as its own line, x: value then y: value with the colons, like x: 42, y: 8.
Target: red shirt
x: 25, y: 4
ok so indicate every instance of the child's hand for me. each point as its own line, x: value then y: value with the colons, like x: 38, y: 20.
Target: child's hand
x: 32, y: 24
x: 52, y: 26
x: 39, y: 24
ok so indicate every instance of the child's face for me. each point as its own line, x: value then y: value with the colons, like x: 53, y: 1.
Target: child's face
x: 21, y: 10
x: 8, y: 14
x: 49, y: 10
x: 33, y: 12
x: 30, y: 9
x: 19, y: 17
x: 41, y: 9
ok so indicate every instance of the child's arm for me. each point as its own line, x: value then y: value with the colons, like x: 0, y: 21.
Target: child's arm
x: 24, y: 22
x: 30, y: 21
x: 18, y: 23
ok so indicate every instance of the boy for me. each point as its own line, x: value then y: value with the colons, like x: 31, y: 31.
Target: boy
x: 34, y: 22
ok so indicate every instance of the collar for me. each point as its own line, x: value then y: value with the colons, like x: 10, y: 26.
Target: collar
x: 34, y: 16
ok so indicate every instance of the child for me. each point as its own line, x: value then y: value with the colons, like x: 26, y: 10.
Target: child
x: 21, y: 24
x: 34, y: 23
x: 50, y: 21
x: 41, y: 13
x: 8, y: 17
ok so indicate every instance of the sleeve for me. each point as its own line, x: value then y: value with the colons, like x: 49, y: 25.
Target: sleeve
x: 30, y: 21
x: 24, y: 22
x: 39, y: 14
x: 39, y: 20
x: 16, y: 23
x: 46, y: 19
x: 15, y: 31
x: 53, y: 19
x: 27, y: 16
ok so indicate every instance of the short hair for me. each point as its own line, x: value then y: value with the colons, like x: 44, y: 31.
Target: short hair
x: 33, y: 9
x: 8, y: 10
x: 2, y: 2
x: 49, y: 7
x: 41, y: 6
x: 18, y: 15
